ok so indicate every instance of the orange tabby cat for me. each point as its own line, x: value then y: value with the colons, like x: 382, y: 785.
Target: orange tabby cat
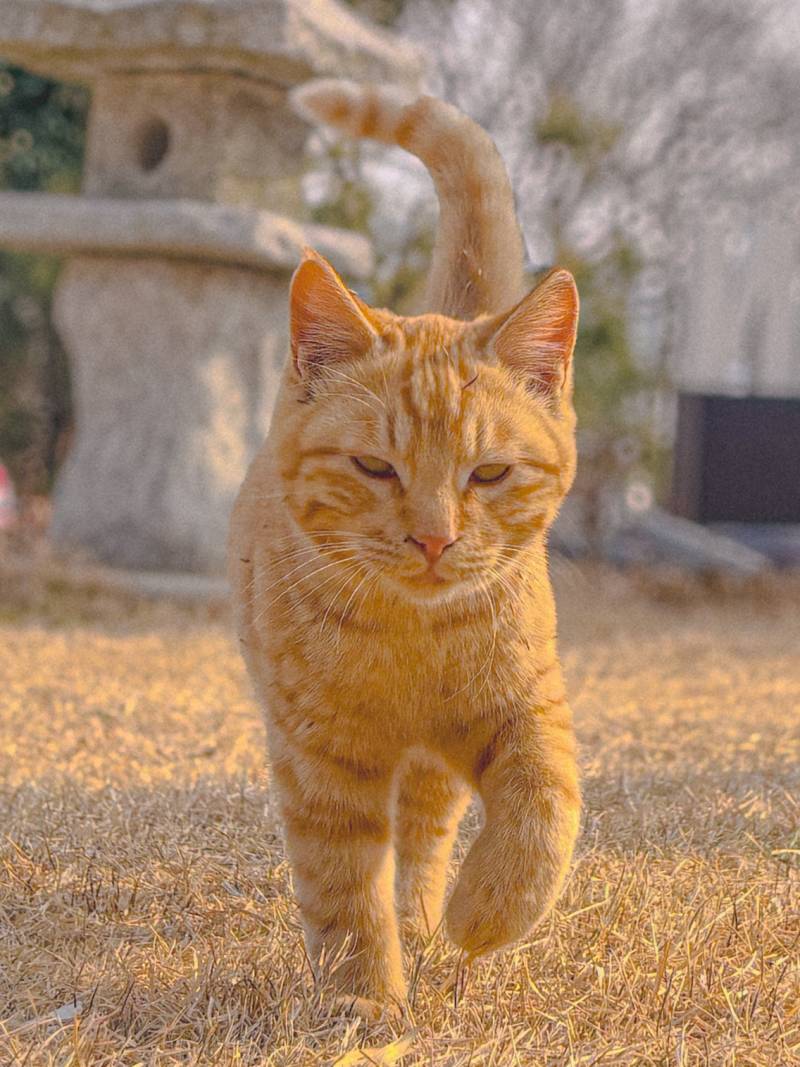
x: 388, y: 560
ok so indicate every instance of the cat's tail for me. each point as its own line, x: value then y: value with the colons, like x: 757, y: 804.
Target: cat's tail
x: 477, y: 262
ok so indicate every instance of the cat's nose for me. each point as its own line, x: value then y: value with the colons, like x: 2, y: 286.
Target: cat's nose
x: 432, y: 546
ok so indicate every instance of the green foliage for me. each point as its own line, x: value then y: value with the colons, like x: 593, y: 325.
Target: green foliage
x: 614, y: 394
x: 351, y: 205
x: 384, y: 12
x: 399, y: 283
x: 608, y: 371
x: 41, y: 148
x: 564, y: 123
x: 41, y: 132
x: 398, y: 277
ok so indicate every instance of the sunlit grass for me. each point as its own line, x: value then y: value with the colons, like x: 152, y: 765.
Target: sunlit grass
x: 145, y: 906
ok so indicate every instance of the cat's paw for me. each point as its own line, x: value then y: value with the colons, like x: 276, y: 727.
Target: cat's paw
x: 487, y: 911
x: 475, y: 920
x: 505, y: 888
x: 373, y: 1011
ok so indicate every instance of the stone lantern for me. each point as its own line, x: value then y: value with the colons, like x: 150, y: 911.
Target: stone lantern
x: 172, y: 303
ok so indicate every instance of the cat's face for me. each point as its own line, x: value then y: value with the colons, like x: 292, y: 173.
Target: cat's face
x: 428, y: 460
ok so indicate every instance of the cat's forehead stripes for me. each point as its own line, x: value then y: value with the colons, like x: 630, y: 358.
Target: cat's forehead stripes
x: 428, y: 411
x: 431, y: 388
x: 432, y: 360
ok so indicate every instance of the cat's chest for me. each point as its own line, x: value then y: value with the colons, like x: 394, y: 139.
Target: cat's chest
x: 426, y: 675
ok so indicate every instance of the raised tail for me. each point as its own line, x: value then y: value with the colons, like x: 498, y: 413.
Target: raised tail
x: 477, y: 262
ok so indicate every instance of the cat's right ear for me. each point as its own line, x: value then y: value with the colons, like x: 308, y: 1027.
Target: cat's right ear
x: 328, y: 323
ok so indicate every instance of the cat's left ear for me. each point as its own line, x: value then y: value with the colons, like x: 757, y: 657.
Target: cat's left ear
x: 329, y: 324
x: 537, y: 337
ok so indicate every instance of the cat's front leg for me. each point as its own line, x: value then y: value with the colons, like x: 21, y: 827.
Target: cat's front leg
x: 336, y: 814
x: 527, y: 778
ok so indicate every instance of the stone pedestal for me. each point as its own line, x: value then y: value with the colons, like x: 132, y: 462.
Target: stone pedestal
x: 174, y: 368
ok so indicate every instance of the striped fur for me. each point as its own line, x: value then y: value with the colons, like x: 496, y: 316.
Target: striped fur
x: 395, y: 686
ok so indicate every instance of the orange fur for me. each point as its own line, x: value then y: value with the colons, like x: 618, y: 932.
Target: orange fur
x: 392, y: 686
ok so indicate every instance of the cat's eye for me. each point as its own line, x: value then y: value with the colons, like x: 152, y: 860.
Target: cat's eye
x: 490, y: 472
x: 377, y: 468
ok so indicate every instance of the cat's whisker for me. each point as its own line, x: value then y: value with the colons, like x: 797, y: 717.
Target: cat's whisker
x: 481, y: 588
x: 504, y: 584
x: 299, y: 566
x: 352, y: 573
x: 292, y: 606
x: 297, y: 553
x: 486, y: 668
x: 338, y: 373
x: 367, y: 593
x: 326, y: 549
x: 340, y: 538
x: 510, y: 566
x: 328, y: 393
x: 303, y: 578
x: 317, y: 533
x: 347, y: 605
x: 309, y: 552
x: 308, y: 540
x: 351, y: 570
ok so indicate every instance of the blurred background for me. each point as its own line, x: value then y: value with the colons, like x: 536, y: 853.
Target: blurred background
x: 653, y: 149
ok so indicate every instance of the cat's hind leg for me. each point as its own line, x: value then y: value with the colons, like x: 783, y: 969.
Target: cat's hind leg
x: 430, y: 803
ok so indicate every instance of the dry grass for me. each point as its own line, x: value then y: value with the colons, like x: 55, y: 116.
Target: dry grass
x: 145, y: 911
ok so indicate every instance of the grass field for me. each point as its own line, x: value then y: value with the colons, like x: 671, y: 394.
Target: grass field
x: 145, y: 906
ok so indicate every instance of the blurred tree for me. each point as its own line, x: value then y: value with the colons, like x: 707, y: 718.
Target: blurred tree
x: 617, y: 118
x: 384, y: 12
x: 622, y: 454
x: 692, y: 110
x: 41, y: 147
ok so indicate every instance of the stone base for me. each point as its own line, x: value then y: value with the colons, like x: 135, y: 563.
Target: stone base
x: 175, y: 368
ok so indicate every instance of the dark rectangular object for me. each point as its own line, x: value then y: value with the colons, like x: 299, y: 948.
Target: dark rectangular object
x: 737, y: 459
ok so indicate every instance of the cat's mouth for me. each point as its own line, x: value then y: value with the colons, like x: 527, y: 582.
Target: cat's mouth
x: 431, y: 585
x: 430, y: 577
